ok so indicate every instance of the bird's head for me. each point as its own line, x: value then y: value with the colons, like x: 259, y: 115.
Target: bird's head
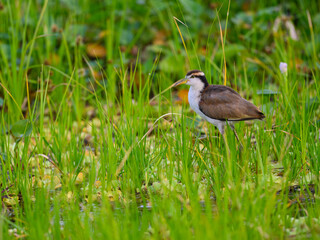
x: 194, y: 78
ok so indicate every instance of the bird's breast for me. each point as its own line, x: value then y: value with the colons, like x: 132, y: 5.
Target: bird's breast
x: 194, y: 97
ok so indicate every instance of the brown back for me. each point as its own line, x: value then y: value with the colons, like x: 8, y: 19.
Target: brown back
x: 223, y: 103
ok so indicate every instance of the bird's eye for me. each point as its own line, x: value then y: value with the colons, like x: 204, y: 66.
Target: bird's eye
x: 192, y: 76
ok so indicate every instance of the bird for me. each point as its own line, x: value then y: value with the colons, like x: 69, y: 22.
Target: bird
x: 218, y: 104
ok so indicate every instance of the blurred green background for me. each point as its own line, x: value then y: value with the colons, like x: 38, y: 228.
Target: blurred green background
x: 93, y: 144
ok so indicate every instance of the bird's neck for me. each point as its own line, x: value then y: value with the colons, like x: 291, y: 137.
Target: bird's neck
x: 198, y: 87
x: 204, y: 82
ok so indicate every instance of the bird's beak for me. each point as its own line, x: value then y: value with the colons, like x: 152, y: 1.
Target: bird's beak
x: 181, y: 81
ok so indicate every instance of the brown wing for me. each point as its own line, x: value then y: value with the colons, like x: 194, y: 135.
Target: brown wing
x: 223, y: 103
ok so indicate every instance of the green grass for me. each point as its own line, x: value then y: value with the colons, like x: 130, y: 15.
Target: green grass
x: 101, y: 160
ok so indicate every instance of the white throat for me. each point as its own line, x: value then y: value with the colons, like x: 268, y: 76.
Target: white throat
x: 196, y: 84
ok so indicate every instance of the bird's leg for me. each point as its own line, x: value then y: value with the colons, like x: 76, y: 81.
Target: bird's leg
x: 227, y: 145
x: 221, y: 130
x: 202, y: 137
x: 235, y: 133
